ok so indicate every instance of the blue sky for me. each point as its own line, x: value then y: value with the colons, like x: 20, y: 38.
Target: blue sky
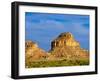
x: 42, y: 28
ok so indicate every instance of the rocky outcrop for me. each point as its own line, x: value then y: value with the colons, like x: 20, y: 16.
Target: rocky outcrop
x: 33, y: 52
x: 66, y: 46
x: 64, y: 39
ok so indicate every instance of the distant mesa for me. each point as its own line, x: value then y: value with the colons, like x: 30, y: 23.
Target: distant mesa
x: 29, y: 44
x: 33, y: 52
x: 63, y: 46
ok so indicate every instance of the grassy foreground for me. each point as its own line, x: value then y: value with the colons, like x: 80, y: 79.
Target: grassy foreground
x: 56, y: 63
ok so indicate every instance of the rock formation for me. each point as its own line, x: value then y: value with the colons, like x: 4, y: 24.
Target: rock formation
x: 33, y: 52
x: 64, y: 39
x: 63, y: 47
x: 66, y: 46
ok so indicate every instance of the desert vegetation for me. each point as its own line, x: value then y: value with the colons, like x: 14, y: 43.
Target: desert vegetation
x: 57, y: 63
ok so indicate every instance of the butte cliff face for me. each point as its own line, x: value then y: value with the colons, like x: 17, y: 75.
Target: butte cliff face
x: 64, y: 40
x: 66, y: 46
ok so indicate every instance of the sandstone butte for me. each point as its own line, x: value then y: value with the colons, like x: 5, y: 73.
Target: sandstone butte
x: 64, y: 46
